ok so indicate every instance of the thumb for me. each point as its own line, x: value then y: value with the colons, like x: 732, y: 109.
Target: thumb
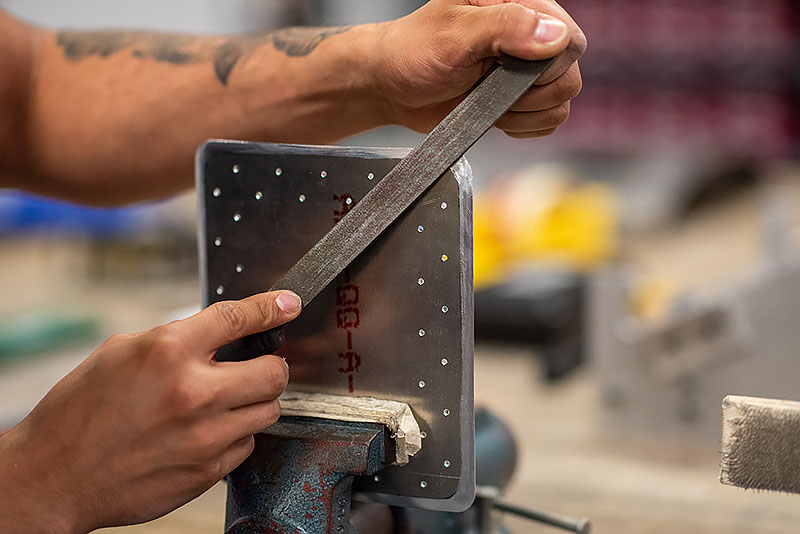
x: 515, y: 30
x: 227, y: 321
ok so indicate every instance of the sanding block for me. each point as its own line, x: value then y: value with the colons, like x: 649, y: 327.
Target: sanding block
x: 761, y: 444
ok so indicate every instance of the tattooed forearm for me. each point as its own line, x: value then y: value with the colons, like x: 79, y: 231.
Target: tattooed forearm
x: 184, y: 50
x: 297, y: 42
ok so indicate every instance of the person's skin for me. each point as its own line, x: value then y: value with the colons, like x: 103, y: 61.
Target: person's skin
x: 150, y: 420
x: 115, y: 117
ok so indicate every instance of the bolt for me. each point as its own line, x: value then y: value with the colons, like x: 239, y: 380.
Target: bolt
x: 579, y: 526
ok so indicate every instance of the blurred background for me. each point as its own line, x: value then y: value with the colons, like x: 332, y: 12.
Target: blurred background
x: 630, y: 270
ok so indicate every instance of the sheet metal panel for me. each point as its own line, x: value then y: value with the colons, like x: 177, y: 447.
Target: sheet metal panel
x: 396, y: 324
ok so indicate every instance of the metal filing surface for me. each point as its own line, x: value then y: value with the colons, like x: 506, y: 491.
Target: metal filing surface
x: 396, y: 324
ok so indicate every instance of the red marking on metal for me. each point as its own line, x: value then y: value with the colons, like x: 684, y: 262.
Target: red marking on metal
x: 347, y: 295
x: 348, y: 316
x: 353, y: 362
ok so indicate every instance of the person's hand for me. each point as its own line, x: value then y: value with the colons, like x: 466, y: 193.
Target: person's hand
x: 430, y: 59
x: 146, y: 423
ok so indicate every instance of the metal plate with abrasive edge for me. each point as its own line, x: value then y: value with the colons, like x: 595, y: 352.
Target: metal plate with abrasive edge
x: 396, y: 324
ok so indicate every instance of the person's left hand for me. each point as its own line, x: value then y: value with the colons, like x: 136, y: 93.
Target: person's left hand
x: 429, y: 60
x: 146, y: 423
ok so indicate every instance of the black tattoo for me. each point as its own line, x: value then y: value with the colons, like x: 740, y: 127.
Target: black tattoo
x: 185, y: 50
x: 161, y: 47
x: 225, y: 58
x: 296, y: 42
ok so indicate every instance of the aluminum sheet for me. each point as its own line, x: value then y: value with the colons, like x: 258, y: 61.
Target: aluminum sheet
x: 396, y: 324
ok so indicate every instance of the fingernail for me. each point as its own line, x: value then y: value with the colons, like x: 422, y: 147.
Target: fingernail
x: 288, y: 302
x: 285, y: 362
x: 549, y: 30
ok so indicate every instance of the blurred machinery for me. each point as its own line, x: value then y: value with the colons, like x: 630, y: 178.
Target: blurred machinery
x: 667, y: 371
x: 536, y: 234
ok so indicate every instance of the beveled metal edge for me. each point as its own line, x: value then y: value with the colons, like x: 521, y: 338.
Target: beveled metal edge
x: 464, y: 495
x: 200, y: 159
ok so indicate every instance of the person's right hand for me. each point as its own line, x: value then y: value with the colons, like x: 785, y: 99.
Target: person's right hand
x: 145, y: 424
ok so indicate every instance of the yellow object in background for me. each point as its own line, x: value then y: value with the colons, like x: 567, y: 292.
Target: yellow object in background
x: 542, y: 215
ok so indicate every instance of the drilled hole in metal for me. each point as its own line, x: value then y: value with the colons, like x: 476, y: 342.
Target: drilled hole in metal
x: 443, y: 205
x: 423, y: 484
x: 278, y: 171
x: 216, y: 192
x: 237, y: 217
x: 217, y: 241
x: 446, y: 464
x: 444, y: 257
x: 259, y: 195
x: 235, y: 169
x: 420, y: 228
x: 220, y: 290
x: 239, y: 268
x: 302, y: 198
x: 370, y: 176
x: 420, y: 281
x: 445, y: 309
x: 348, y: 201
x: 423, y: 434
x: 445, y: 412
x: 323, y: 174
x: 421, y: 332
x: 444, y: 361
x: 421, y: 384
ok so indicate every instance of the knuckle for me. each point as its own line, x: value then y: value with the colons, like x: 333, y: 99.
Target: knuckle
x: 232, y: 316
x: 238, y: 453
x: 214, y: 470
x: 277, y: 378
x: 266, y: 311
x: 502, y: 17
x: 188, y: 396
x: 204, y: 445
x: 512, y: 19
x: 569, y: 85
x: 559, y: 114
x: 248, y: 447
x: 163, y: 342
x: 272, y: 413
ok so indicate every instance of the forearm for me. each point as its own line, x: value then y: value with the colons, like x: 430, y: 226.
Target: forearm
x: 116, y: 116
x: 28, y: 499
